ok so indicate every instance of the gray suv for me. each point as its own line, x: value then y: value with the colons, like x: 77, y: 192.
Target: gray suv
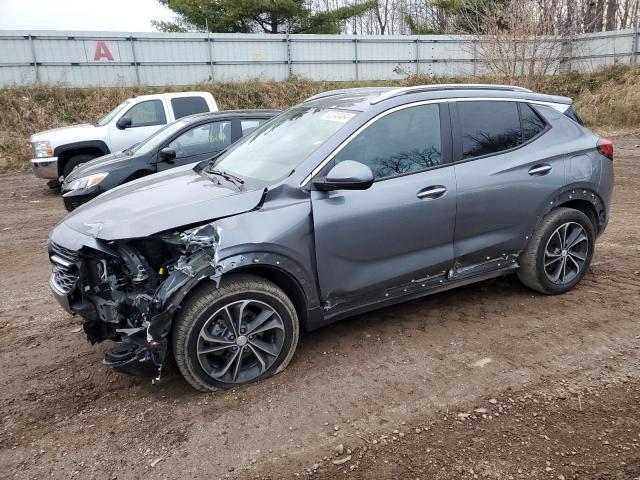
x: 351, y: 201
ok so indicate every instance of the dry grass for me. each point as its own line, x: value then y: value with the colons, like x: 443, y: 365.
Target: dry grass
x: 609, y: 98
x: 615, y: 104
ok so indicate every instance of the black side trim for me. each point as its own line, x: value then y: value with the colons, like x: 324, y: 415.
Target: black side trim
x: 99, y: 144
x: 392, y: 300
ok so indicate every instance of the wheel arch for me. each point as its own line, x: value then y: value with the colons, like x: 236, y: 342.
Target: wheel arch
x: 585, y: 207
x: 280, y: 270
x: 583, y: 199
x: 284, y: 281
x: 65, y: 152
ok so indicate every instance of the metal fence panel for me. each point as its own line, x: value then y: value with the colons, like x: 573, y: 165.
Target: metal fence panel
x: 82, y: 59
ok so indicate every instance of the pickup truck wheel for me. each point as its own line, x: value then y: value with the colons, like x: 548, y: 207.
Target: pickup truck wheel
x: 241, y: 332
x: 559, y: 252
x: 74, y: 161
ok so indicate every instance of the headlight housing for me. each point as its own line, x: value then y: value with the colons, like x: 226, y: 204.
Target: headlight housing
x: 42, y: 149
x: 86, y: 182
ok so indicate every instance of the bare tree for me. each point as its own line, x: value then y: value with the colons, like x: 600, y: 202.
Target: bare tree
x: 520, y: 43
x: 382, y: 15
x: 612, y: 8
x: 447, y: 16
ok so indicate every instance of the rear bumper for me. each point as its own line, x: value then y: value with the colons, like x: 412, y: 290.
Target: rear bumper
x: 45, y: 167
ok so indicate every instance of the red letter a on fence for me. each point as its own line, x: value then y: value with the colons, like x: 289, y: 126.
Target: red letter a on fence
x: 102, y: 51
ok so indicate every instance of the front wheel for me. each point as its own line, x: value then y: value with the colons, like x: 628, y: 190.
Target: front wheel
x: 75, y: 161
x: 244, y: 331
x: 559, y: 252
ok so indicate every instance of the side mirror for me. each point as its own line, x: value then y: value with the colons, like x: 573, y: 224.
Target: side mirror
x: 346, y: 175
x: 166, y: 155
x: 123, y: 123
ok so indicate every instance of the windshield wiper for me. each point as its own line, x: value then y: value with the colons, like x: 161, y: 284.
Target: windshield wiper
x: 237, y: 181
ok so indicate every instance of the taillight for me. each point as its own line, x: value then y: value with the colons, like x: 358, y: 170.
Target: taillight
x: 605, y: 147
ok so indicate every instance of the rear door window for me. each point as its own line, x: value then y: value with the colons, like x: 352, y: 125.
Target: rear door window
x: 184, y: 106
x: 488, y: 127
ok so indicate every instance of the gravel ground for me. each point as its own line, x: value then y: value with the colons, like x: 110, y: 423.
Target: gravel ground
x: 499, y: 382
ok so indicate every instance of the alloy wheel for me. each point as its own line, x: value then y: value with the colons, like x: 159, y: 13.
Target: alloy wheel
x: 566, y: 252
x: 240, y: 341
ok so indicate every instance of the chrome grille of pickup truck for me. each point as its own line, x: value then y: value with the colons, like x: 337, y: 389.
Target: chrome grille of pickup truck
x: 65, y: 271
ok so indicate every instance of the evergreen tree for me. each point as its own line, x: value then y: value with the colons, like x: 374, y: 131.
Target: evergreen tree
x: 263, y: 16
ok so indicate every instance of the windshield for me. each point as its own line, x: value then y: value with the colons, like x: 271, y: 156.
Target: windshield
x: 151, y: 143
x: 107, y: 118
x: 275, y: 149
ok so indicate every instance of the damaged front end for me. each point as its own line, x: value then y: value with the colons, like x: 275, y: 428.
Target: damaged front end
x: 128, y: 290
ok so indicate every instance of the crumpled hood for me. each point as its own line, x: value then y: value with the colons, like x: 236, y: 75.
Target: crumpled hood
x: 171, y: 199
x: 73, y: 133
x: 102, y: 164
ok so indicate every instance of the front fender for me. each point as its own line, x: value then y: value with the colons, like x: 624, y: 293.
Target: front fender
x: 206, y: 266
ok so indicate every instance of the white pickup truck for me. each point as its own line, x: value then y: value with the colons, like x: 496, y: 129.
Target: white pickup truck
x: 58, y: 151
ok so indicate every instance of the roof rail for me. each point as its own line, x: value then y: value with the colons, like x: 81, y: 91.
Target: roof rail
x: 446, y: 86
x: 341, y: 91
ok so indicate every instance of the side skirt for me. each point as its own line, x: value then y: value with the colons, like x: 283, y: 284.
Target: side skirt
x: 406, y: 294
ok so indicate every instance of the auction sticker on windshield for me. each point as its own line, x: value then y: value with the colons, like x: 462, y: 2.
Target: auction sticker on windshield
x: 337, y: 116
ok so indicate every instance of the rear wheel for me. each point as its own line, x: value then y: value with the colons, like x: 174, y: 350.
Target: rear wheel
x: 244, y: 331
x: 74, y: 161
x: 559, y: 253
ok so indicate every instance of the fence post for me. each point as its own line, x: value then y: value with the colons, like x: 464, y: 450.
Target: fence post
x: 566, y: 53
x: 417, y: 55
x: 135, y: 62
x: 634, y: 43
x: 474, y: 61
x: 33, y: 56
x: 288, y: 40
x: 355, y: 51
x: 210, y: 52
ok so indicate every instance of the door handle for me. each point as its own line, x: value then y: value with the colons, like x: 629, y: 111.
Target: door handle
x: 433, y: 191
x: 539, y: 170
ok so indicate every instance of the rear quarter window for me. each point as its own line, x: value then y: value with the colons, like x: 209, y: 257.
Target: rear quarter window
x: 185, y: 106
x: 573, y: 115
x: 532, y: 123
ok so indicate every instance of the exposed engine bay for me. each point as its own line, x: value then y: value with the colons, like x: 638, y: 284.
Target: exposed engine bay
x: 129, y: 290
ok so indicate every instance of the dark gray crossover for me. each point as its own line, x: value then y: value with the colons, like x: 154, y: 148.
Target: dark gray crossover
x: 187, y: 140
x: 350, y: 201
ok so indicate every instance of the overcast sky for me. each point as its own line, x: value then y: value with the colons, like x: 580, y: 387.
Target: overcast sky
x: 113, y: 15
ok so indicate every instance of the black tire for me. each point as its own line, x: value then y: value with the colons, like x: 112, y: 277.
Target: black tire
x: 538, y: 265
x: 203, y: 305
x: 74, y: 161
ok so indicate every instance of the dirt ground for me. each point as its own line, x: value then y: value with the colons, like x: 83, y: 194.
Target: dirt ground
x: 486, y: 381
